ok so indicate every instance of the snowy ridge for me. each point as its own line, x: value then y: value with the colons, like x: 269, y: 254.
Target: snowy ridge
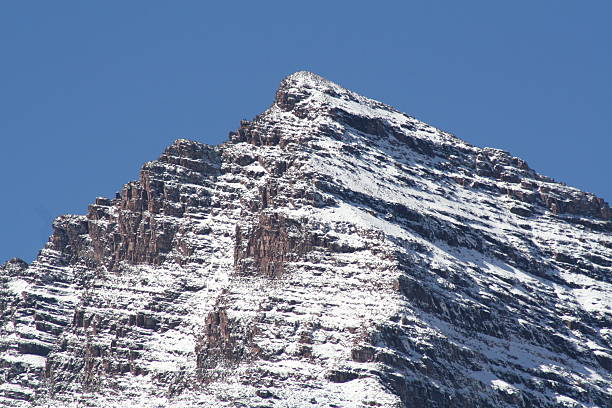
x: 334, y: 252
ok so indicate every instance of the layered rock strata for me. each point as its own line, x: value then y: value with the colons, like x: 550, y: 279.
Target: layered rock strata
x: 334, y: 252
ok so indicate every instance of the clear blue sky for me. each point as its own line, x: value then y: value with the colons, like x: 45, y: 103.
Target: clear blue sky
x: 91, y: 90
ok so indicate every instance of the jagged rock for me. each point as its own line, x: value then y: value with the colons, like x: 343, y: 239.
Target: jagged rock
x: 334, y: 252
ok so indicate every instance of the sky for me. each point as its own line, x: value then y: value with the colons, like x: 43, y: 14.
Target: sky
x: 89, y: 91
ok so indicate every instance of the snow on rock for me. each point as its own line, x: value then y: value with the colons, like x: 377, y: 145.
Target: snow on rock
x: 334, y: 252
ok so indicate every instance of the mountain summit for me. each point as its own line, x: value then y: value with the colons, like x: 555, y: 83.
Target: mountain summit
x: 333, y: 252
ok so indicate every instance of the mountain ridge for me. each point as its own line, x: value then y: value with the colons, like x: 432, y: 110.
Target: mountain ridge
x: 335, y: 250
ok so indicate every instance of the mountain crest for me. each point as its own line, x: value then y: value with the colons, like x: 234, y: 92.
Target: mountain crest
x: 334, y: 252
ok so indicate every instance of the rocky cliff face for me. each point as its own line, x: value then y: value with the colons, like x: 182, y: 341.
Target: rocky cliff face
x: 334, y: 252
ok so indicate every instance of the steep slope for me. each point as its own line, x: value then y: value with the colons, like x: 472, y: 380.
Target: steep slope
x: 334, y: 252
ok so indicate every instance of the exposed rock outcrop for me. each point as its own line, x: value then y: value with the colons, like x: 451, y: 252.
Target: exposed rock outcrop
x: 334, y: 252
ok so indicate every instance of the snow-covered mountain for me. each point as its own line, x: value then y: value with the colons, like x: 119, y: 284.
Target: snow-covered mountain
x: 334, y: 252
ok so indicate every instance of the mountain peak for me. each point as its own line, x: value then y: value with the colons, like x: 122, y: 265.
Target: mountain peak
x: 306, y: 77
x: 307, y: 94
x: 302, y: 85
x: 335, y: 252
